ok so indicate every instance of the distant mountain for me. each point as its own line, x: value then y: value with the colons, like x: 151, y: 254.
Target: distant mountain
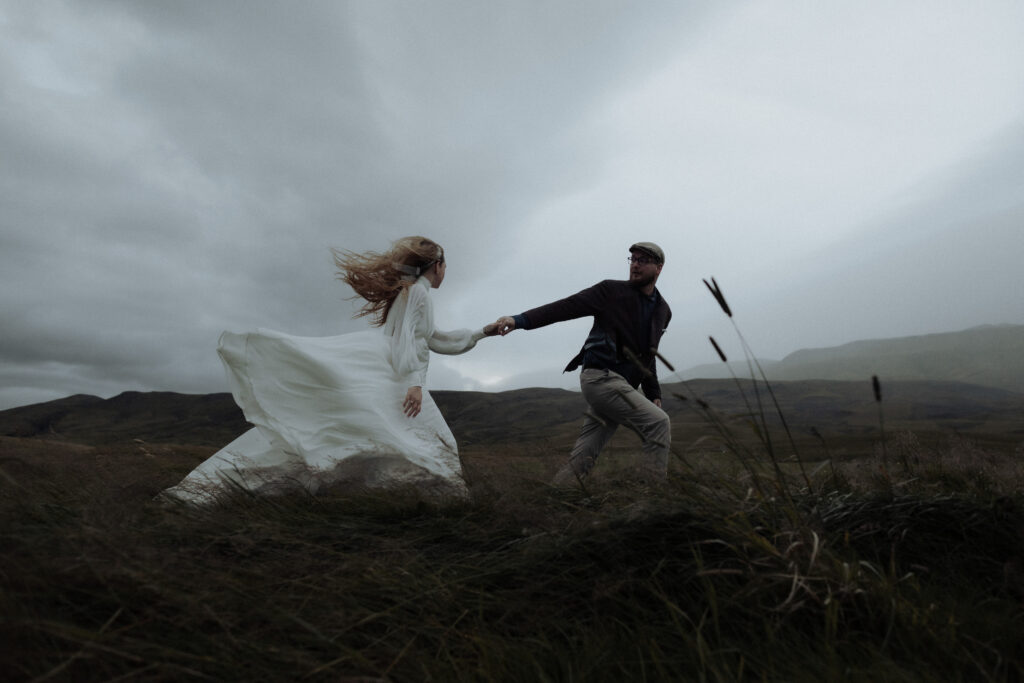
x: 989, y: 355
x: 214, y: 419
x: 968, y: 381
x: 547, y: 418
x: 206, y: 420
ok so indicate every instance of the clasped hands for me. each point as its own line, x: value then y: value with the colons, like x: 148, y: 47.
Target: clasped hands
x: 502, y: 326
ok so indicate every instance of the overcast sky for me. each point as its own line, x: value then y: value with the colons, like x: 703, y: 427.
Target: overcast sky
x: 845, y: 170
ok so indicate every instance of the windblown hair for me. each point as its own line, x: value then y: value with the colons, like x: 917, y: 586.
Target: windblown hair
x: 380, y: 277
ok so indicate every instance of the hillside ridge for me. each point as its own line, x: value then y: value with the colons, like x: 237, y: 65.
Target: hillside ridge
x: 987, y: 355
x: 537, y: 414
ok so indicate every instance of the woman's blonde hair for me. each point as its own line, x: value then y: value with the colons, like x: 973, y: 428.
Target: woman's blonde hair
x: 380, y: 277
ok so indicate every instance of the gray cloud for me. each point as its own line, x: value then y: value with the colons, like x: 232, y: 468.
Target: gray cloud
x: 174, y: 170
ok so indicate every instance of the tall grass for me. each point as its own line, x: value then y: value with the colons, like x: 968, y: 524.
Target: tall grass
x: 682, y: 582
x: 742, y: 566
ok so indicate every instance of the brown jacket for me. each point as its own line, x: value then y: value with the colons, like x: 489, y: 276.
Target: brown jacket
x: 617, y: 310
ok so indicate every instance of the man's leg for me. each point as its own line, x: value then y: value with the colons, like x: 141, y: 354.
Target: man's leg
x: 594, y: 434
x: 614, y: 401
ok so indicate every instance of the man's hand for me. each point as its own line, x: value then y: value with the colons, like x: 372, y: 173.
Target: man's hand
x: 505, y: 324
x: 491, y: 329
x: 657, y: 402
x: 413, y: 401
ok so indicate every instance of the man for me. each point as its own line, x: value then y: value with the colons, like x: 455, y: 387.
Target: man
x: 618, y: 356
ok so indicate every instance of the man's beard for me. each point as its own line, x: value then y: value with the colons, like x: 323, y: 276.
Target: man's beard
x: 642, y: 281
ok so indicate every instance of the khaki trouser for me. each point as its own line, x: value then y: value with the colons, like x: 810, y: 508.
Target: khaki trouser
x: 612, y: 403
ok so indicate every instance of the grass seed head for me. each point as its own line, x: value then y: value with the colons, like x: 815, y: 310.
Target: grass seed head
x: 718, y: 349
x: 716, y: 292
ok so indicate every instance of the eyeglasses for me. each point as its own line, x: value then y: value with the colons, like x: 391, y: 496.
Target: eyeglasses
x: 642, y: 260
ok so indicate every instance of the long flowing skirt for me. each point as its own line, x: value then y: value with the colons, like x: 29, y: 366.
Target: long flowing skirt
x: 326, y: 411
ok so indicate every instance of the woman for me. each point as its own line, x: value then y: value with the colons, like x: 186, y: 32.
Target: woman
x: 349, y: 409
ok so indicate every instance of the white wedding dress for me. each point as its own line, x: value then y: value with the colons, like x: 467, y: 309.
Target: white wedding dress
x: 328, y: 410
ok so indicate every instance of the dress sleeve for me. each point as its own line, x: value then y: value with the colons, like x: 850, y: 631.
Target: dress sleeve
x: 455, y: 342
x: 409, y: 352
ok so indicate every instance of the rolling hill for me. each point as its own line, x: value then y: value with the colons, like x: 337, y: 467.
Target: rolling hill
x: 989, y: 355
x: 969, y: 382
x: 840, y: 409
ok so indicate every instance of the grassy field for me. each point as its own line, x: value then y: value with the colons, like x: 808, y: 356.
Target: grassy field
x: 803, y: 535
x: 901, y: 563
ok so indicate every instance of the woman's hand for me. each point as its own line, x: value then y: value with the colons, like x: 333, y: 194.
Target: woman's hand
x: 413, y: 401
x: 491, y: 329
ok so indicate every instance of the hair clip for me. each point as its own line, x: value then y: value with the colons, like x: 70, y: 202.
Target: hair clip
x: 403, y: 268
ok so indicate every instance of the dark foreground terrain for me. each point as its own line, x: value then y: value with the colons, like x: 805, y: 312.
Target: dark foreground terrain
x: 860, y: 549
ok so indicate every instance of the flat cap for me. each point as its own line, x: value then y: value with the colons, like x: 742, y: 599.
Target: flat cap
x: 651, y: 249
